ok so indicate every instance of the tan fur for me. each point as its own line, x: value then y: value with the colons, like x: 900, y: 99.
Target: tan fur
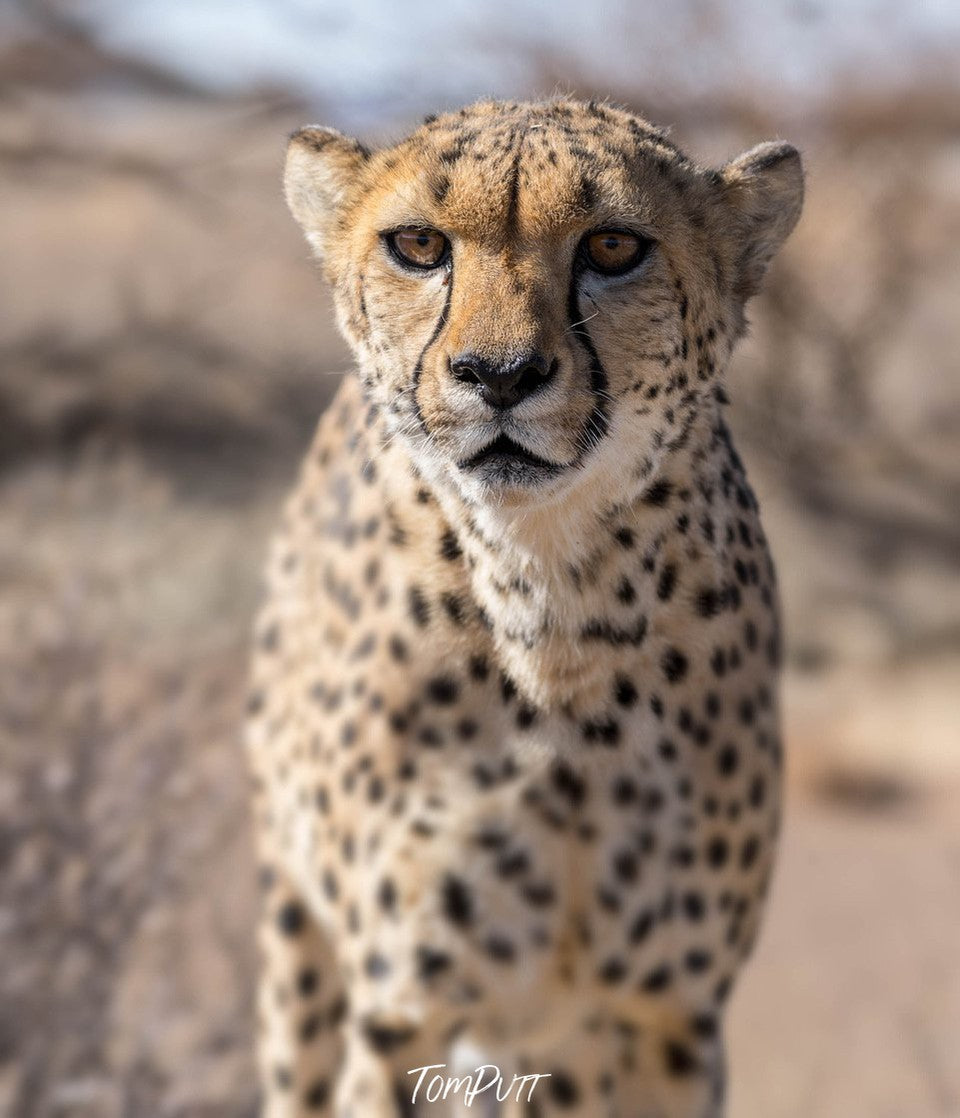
x: 515, y: 737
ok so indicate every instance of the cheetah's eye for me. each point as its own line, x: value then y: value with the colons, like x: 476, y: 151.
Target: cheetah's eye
x: 420, y: 248
x: 612, y: 252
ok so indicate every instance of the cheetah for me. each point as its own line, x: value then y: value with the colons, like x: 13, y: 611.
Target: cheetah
x: 513, y: 715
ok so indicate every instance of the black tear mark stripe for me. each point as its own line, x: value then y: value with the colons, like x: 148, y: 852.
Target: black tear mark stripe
x: 599, y: 421
x: 434, y: 334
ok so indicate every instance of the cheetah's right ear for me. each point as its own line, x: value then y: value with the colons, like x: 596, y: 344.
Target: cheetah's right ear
x: 321, y: 165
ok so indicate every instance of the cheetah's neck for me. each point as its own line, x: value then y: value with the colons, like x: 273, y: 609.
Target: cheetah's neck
x: 559, y: 584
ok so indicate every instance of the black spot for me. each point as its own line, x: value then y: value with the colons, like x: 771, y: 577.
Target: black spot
x: 450, y: 546
x: 387, y: 895
x: 708, y: 601
x: 683, y: 856
x: 526, y: 716
x: 440, y: 185
x: 727, y: 760
x: 657, y: 980
x: 270, y: 638
x: 512, y: 862
x: 624, y: 791
x: 717, y: 852
x: 642, y: 926
x: 679, y: 1060
x: 569, y: 784
x: 431, y: 962
x: 659, y: 493
x: 626, y: 592
x: 625, y: 865
x: 307, y: 982
x: 667, y: 749
x: 563, y: 1090
x: 600, y: 629
x: 317, y: 1095
x: 500, y: 948
x: 750, y: 638
x: 674, y: 665
x: 442, y: 690
x: 540, y: 894
x: 479, y: 669
x: 748, y: 855
x: 608, y: 899
x: 291, y: 918
x: 624, y: 691
x: 693, y: 906
x: 697, y: 961
x: 667, y: 582
x: 588, y: 192
x: 653, y: 800
x: 337, y: 1012
x: 607, y: 732
x: 613, y: 970
x: 457, y: 902
x: 624, y: 537
x: 385, y: 1039
x: 419, y: 609
x: 454, y: 607
x: 376, y: 965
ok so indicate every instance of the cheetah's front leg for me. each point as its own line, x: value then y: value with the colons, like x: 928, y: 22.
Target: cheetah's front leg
x: 613, y: 1069
x: 301, y: 1007
x: 379, y: 1077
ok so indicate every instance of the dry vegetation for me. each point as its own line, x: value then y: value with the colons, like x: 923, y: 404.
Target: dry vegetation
x: 164, y: 351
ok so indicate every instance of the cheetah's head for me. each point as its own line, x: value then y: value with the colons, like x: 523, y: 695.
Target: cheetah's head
x: 537, y: 292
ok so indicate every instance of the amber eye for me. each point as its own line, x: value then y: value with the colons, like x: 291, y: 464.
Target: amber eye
x: 421, y: 248
x: 613, y: 252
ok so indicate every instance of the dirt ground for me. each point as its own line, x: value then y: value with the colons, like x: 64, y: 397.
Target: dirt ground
x: 165, y: 350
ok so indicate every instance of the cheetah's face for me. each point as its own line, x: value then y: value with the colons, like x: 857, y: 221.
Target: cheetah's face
x: 535, y: 291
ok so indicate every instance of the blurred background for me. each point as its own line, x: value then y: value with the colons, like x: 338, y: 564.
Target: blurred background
x: 165, y: 350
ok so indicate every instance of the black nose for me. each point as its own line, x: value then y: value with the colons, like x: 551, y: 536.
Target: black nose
x: 503, y: 384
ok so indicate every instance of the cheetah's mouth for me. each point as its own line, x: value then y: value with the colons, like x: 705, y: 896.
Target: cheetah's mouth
x: 505, y: 457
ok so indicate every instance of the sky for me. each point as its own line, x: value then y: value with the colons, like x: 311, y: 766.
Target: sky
x: 374, y: 59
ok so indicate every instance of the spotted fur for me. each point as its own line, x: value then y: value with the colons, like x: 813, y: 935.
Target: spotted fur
x: 514, y: 725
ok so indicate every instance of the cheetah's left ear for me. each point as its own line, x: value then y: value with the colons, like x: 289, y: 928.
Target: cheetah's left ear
x: 765, y: 188
x: 322, y: 164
